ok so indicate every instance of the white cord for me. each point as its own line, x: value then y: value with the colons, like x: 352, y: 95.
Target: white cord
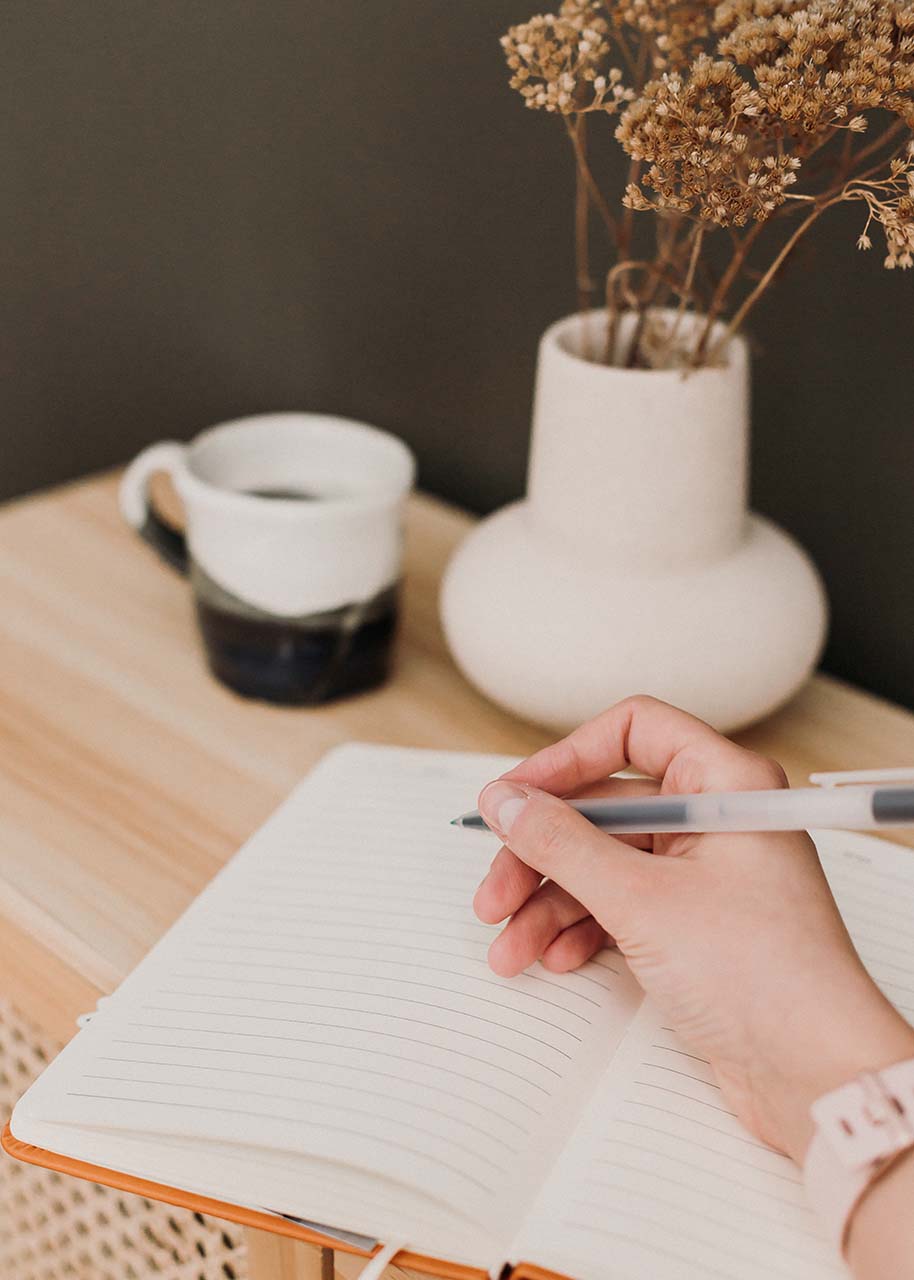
x: 375, y: 1266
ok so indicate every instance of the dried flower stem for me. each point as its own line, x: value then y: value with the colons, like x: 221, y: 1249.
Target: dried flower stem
x: 753, y: 297
x: 627, y: 55
x: 726, y: 282
x: 697, y: 236
x: 666, y: 242
x: 633, y: 359
x: 888, y: 135
x: 634, y: 168
x: 582, y: 241
x: 596, y: 195
x: 615, y: 276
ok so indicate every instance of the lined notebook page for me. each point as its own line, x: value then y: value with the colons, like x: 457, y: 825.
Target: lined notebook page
x: 662, y: 1180
x: 873, y: 882
x: 329, y: 994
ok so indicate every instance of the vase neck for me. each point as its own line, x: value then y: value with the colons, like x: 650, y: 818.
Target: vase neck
x: 648, y: 467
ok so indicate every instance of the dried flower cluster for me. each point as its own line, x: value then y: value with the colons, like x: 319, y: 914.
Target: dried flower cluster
x: 733, y: 116
x: 677, y: 32
x: 697, y: 135
x: 558, y: 62
x: 815, y: 64
x: 891, y: 203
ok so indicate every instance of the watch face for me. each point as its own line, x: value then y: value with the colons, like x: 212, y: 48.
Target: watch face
x: 870, y: 1118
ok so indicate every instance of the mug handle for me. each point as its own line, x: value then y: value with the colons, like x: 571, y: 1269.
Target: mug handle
x: 137, y: 509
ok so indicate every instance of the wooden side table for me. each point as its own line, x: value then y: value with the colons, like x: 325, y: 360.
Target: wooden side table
x: 128, y: 776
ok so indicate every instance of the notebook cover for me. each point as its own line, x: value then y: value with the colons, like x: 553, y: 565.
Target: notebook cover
x: 529, y: 1271
x: 230, y: 1212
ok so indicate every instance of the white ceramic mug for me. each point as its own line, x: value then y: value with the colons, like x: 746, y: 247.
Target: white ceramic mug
x: 293, y: 546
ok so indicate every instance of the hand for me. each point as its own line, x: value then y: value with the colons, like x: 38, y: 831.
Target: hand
x: 736, y: 938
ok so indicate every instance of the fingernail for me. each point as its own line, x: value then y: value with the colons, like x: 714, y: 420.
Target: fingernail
x: 500, y: 804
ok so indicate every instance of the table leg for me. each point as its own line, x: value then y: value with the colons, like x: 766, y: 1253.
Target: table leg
x: 272, y: 1257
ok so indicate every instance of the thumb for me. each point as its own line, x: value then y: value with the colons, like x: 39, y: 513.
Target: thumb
x: 603, y: 873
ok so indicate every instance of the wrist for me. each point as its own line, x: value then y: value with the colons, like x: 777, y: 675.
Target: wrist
x: 881, y: 1234
x: 838, y: 1040
x: 863, y: 1129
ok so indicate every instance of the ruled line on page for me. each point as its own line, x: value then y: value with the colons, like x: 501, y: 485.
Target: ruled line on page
x: 276, y: 931
x: 292, y: 1119
x: 722, y: 1224
x: 308, y: 912
x: 371, y: 1093
x: 516, y: 990
x: 371, y: 1194
x: 648, y: 1084
x: 678, y: 1235
x: 851, y: 898
x: 274, y: 984
x: 460, y: 887
x: 432, y: 951
x: 282, y: 1057
x: 905, y: 950
x: 860, y: 921
x: 332, y: 1026
x: 742, y: 1205
x: 682, y: 1052
x: 865, y: 874
x: 404, y: 909
x: 722, y: 1155
x: 656, y: 1066
x: 724, y: 1133
x: 610, y: 1233
x: 370, y: 1013
x: 691, y: 1165
x: 448, y: 876
x: 329, y: 1106
x: 386, y: 995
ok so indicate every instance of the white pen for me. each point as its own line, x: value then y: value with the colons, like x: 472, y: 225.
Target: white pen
x: 851, y: 808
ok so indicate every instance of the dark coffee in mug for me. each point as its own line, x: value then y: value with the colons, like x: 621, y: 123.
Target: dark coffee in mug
x: 286, y: 495
x: 292, y: 549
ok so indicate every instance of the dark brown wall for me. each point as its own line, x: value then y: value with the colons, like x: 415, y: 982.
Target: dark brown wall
x: 209, y: 208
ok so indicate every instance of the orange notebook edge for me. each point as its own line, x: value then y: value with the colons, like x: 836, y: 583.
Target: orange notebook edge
x: 244, y: 1217
x: 529, y: 1271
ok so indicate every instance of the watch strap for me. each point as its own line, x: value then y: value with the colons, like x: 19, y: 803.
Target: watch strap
x: 861, y: 1128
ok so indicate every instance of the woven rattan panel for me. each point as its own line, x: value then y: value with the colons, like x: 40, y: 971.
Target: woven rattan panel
x: 59, y: 1228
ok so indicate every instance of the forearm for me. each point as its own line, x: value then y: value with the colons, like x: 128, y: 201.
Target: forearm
x: 837, y: 1037
x: 881, y: 1241
x: 867, y: 1034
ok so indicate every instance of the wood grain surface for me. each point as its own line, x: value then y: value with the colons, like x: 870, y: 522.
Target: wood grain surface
x: 128, y: 775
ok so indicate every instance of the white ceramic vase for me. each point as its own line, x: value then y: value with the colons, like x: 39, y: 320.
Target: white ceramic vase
x: 634, y: 564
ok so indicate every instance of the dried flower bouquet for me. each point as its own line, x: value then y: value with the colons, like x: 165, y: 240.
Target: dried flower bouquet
x: 737, y: 117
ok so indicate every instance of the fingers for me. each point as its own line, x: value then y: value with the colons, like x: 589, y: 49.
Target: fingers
x: 532, y: 929
x: 652, y: 736
x: 505, y: 889
x: 575, y: 946
x: 640, y: 731
x: 621, y: 789
x: 618, y: 788
x: 602, y: 873
x: 509, y: 882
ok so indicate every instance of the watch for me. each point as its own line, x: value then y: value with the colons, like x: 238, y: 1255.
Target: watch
x: 861, y: 1129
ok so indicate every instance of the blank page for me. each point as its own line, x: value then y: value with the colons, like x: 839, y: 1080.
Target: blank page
x: 328, y: 996
x: 661, y: 1179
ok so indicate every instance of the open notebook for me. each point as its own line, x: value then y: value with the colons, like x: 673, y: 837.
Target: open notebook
x: 320, y: 1036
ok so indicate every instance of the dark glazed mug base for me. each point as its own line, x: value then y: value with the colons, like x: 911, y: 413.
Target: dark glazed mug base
x: 297, y: 661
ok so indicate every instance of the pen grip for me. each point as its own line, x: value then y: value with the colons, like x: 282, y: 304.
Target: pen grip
x: 781, y: 810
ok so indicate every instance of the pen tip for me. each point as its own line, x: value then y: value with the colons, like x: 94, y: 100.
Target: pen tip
x: 455, y: 822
